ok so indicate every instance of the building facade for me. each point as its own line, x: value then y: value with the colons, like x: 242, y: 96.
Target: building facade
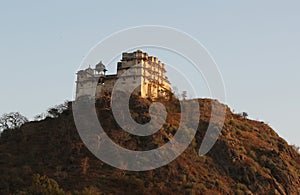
x: 146, y: 74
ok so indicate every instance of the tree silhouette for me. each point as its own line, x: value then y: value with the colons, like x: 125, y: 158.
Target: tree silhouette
x: 12, y: 120
x: 245, y: 115
x: 184, y: 95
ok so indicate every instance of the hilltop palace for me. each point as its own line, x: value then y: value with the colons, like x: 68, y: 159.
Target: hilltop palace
x: 134, y: 68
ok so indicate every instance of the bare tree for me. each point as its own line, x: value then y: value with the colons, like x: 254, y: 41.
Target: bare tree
x: 12, y: 120
x: 184, y: 95
x: 62, y: 107
x: 84, y: 165
x: 175, y: 91
x: 57, y: 110
x: 52, y: 112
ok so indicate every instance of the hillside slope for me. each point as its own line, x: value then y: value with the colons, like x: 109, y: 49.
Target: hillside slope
x: 248, y: 158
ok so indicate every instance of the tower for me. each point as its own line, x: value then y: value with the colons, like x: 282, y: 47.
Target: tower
x: 101, y: 72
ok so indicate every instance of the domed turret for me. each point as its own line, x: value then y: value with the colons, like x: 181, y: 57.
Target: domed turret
x: 100, y: 68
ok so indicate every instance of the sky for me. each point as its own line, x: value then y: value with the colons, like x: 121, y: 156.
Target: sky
x: 255, y: 44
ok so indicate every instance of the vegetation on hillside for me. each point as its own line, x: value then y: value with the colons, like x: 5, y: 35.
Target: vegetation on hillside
x: 47, y: 156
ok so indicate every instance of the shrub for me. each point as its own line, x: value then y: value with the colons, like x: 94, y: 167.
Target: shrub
x: 88, y: 191
x: 246, y: 127
x: 253, y: 155
x: 242, y: 187
x: 202, y: 187
x: 239, y: 192
x: 218, y: 183
x: 238, y: 132
x: 189, y: 185
x: 42, y: 185
x: 231, y: 122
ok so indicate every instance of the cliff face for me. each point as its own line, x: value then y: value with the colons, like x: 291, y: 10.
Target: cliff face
x: 248, y: 157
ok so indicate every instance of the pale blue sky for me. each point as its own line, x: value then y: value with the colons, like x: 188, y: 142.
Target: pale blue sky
x: 256, y: 45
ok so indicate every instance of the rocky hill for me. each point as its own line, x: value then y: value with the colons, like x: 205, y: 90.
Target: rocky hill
x: 248, y: 158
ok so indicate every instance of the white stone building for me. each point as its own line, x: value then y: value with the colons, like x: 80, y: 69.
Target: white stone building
x: 136, y: 69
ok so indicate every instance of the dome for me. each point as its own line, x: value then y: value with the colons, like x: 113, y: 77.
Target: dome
x: 100, y: 67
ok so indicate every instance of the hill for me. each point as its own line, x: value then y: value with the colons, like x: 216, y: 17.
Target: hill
x: 248, y: 157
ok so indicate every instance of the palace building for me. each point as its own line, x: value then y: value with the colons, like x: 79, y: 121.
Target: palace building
x: 136, y: 68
